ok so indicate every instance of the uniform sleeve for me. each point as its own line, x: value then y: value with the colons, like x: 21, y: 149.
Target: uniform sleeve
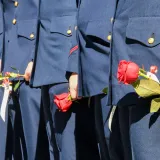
x: 73, y: 59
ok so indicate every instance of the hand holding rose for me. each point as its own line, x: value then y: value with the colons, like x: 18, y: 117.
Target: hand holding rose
x: 73, y: 86
x: 28, y: 71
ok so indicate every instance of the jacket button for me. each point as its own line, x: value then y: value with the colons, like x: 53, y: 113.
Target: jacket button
x: 16, y: 4
x: 109, y: 37
x: 14, y: 21
x: 151, y: 40
x: 31, y: 35
x: 69, y: 32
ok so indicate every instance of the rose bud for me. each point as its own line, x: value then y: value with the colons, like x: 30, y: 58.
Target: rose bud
x: 154, y: 69
x: 63, y: 101
x: 128, y: 72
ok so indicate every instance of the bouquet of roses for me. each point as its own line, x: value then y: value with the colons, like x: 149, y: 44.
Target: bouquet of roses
x: 6, y: 83
x: 5, y: 79
x: 146, y: 84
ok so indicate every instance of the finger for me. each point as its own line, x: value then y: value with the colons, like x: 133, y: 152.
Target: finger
x: 73, y: 93
x: 26, y: 78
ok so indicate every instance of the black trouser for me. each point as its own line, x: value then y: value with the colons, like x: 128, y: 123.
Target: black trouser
x: 71, y: 134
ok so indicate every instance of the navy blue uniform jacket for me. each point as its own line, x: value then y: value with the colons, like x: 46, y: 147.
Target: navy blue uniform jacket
x: 20, y: 18
x: 57, y: 23
x: 89, y: 55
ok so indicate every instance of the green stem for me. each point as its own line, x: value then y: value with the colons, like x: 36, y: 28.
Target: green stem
x: 143, y: 75
x: 20, y: 75
x: 142, y: 70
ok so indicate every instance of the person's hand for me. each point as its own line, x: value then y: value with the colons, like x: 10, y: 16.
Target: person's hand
x: 28, y: 71
x: 73, y: 86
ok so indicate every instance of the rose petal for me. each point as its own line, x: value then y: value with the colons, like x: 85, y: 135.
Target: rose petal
x: 61, y: 96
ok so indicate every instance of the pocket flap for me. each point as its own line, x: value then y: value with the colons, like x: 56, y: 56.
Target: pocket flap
x: 63, y: 25
x: 145, y: 30
x: 99, y: 28
x: 27, y: 28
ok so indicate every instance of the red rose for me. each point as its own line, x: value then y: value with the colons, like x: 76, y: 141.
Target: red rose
x: 153, y: 69
x: 63, y: 101
x: 128, y: 72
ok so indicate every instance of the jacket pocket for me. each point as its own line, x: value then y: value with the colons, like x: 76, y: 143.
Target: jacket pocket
x: 143, y: 30
x: 27, y: 29
x: 63, y: 25
x: 99, y: 29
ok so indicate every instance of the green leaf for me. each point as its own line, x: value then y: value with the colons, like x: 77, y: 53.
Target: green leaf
x: 146, y: 87
x: 14, y: 68
x: 69, y: 98
x: 105, y: 90
x: 16, y: 86
x: 1, y: 75
x: 155, y: 105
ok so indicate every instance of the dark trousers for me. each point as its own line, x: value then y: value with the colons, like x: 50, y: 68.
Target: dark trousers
x: 71, y: 134
x: 19, y: 133
x: 135, y: 131
x: 101, y: 115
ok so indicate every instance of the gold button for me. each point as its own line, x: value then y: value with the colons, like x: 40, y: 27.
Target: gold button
x: 16, y: 4
x: 14, y: 21
x: 109, y: 37
x: 151, y: 40
x: 31, y: 35
x: 69, y: 32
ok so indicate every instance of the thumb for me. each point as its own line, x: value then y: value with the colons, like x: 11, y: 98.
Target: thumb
x: 73, y: 93
x: 73, y: 85
x: 28, y: 71
x: 27, y: 76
